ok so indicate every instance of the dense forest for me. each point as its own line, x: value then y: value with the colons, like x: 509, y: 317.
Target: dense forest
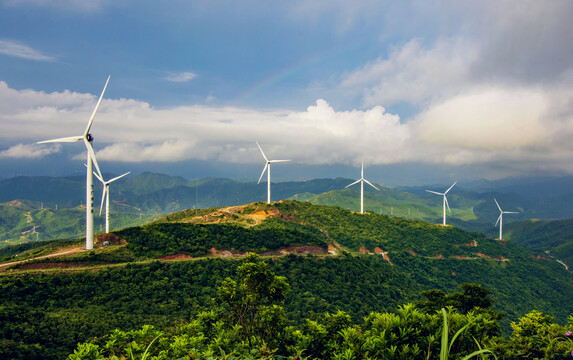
x: 123, y: 289
x: 245, y: 317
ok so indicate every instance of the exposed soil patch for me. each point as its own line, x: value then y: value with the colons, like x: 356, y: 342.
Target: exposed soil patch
x: 109, y: 239
x: 298, y: 250
x: 364, y: 250
x: 224, y: 253
x: 332, y: 250
x: 384, y: 254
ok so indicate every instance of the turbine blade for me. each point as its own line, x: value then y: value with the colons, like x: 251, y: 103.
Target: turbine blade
x: 497, y: 205
x: 263, y: 173
x: 273, y: 161
x: 498, y: 219
x: 66, y: 139
x: 103, y: 193
x: 510, y: 212
x: 433, y: 192
x: 95, y: 109
x: 356, y: 182
x: 262, y: 152
x: 92, y: 156
x: 118, y: 177
x: 368, y: 182
x: 450, y: 188
x: 448, y: 205
x: 99, y: 177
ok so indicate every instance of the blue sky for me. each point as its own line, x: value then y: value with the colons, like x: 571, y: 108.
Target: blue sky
x: 421, y: 91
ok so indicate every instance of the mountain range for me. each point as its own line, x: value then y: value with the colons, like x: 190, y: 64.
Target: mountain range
x: 26, y: 202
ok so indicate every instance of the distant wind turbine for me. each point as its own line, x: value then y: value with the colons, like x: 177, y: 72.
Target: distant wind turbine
x: 105, y: 196
x: 500, y: 218
x: 362, y: 180
x: 445, y: 200
x: 267, y: 168
x: 91, y: 160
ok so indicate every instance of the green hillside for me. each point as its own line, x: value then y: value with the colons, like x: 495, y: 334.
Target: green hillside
x: 25, y: 221
x: 374, y: 263
x: 554, y: 238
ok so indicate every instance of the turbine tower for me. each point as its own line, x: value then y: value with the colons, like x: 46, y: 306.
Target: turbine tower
x: 362, y: 180
x: 268, y: 169
x: 105, y: 196
x: 91, y: 160
x: 445, y: 200
x: 500, y: 218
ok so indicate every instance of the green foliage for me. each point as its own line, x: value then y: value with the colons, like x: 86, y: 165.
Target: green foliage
x: 255, y: 300
x: 550, y: 238
x: 535, y: 336
x: 162, y: 239
x: 473, y: 296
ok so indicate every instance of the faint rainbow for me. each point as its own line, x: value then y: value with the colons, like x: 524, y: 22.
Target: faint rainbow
x: 290, y: 71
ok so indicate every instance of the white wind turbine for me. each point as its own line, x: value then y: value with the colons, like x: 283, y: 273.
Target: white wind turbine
x: 105, y: 196
x: 500, y: 218
x: 445, y: 200
x: 362, y: 180
x: 91, y: 160
x: 268, y: 169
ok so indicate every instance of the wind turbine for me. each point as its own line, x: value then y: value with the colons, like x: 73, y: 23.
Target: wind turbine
x: 362, y: 180
x: 445, y: 200
x: 267, y: 167
x: 91, y: 160
x: 105, y: 196
x: 500, y: 218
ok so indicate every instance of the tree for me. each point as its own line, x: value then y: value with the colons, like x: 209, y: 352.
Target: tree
x: 255, y: 300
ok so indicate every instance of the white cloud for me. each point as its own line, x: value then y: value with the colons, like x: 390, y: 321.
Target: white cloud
x: 488, y: 119
x: 481, y: 125
x: 181, y: 77
x: 414, y: 74
x: 30, y: 151
x: 16, y: 49
x: 167, y: 151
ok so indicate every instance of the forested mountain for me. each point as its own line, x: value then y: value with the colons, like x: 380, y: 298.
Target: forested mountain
x: 356, y: 263
x: 554, y: 237
x: 138, y: 199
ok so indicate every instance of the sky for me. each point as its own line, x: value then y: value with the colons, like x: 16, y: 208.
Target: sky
x: 420, y: 91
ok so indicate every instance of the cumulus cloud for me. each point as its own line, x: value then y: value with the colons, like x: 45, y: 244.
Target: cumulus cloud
x: 413, y: 73
x: 481, y: 125
x: 489, y: 119
x: 16, y: 49
x: 181, y: 77
x: 29, y: 151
